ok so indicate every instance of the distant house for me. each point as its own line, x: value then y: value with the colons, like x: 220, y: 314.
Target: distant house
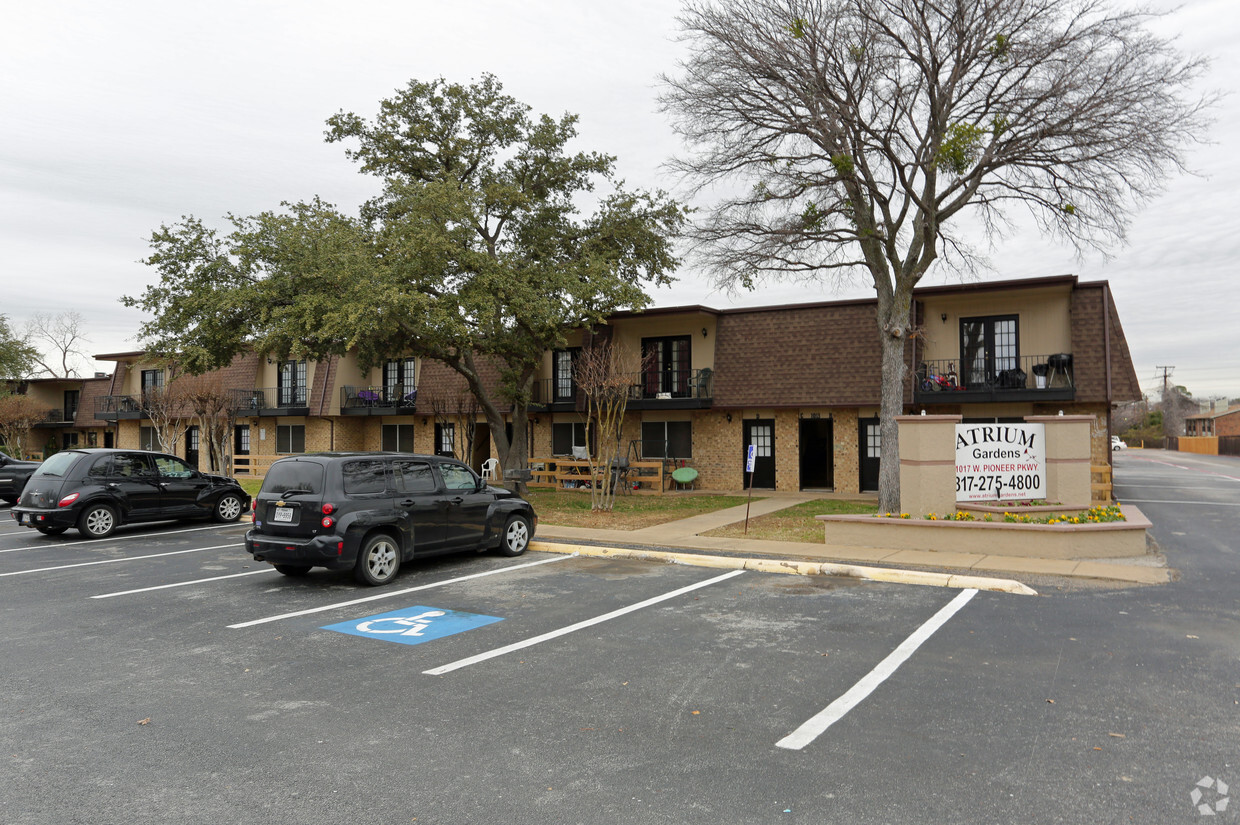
x: 1222, y: 423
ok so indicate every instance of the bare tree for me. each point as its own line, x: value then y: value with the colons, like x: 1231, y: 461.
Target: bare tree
x: 604, y: 376
x: 460, y: 411
x: 851, y: 136
x: 61, y: 337
x: 209, y: 398
x: 168, y: 411
x: 18, y: 416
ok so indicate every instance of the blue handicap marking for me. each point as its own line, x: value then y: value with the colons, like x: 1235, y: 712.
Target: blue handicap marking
x: 413, y: 625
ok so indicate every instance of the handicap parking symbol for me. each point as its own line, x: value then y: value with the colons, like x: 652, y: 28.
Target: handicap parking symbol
x: 413, y: 625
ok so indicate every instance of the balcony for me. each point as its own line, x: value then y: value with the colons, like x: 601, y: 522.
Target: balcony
x: 397, y: 399
x: 118, y: 407
x: 666, y: 390
x: 1028, y: 378
x: 58, y: 418
x: 271, y: 401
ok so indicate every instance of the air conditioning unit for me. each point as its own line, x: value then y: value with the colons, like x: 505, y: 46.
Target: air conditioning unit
x: 662, y: 395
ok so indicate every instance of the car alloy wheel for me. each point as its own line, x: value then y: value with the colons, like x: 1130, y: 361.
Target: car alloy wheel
x: 228, y: 508
x: 98, y: 521
x: 516, y: 536
x: 378, y: 561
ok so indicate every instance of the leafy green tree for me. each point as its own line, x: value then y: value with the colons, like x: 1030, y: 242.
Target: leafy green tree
x: 476, y: 253
x: 853, y: 136
x: 17, y: 358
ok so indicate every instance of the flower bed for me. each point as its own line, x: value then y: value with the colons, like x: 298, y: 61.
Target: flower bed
x: 1021, y: 536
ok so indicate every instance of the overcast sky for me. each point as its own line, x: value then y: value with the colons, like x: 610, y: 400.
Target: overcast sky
x: 117, y: 117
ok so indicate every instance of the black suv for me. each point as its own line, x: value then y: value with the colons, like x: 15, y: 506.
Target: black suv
x: 13, y: 476
x: 369, y: 512
x: 95, y: 490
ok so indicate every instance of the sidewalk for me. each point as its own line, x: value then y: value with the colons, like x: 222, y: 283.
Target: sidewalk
x: 685, y: 534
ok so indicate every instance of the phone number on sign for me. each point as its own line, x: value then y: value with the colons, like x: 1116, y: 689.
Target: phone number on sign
x: 996, y: 484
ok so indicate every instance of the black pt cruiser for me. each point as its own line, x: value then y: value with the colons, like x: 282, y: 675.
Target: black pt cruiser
x: 96, y: 490
x: 370, y: 512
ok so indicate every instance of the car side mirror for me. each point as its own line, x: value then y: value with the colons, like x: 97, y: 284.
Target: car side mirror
x: 482, y: 485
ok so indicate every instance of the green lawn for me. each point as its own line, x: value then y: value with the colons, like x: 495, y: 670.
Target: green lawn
x: 571, y: 509
x: 251, y: 485
x: 795, y: 523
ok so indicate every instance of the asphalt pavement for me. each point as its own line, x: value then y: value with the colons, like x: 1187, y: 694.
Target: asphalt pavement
x: 161, y: 676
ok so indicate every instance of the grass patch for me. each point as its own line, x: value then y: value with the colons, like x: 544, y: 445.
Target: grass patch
x: 795, y: 523
x: 251, y: 485
x: 631, y: 513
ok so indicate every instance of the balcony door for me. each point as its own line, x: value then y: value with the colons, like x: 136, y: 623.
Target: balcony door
x: 988, y: 346
x: 291, y: 383
x: 667, y: 366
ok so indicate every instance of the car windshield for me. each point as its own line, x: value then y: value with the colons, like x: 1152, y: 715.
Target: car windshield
x: 303, y: 477
x: 57, y: 465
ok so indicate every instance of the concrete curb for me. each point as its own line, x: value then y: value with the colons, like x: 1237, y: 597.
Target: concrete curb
x: 798, y: 568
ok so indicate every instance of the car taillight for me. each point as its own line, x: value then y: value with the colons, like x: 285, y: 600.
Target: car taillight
x: 328, y: 521
x: 67, y: 500
x: 328, y: 509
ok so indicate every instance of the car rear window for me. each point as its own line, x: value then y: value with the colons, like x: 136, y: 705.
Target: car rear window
x: 364, y: 477
x: 57, y: 465
x: 288, y: 476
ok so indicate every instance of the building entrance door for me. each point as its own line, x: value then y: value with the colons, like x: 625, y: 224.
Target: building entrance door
x: 869, y: 443
x: 817, y: 454
x: 760, y: 432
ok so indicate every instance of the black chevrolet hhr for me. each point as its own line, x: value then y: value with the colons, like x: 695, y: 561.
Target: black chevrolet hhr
x: 370, y: 512
x: 96, y: 490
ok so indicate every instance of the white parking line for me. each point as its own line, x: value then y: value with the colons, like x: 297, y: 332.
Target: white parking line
x: 555, y: 634
x: 183, y: 584
x: 835, y: 711
x: 121, y: 538
x: 387, y: 595
x: 114, y: 561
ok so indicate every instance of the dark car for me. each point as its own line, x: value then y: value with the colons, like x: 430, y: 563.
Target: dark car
x: 370, y: 512
x: 13, y: 476
x: 96, y: 490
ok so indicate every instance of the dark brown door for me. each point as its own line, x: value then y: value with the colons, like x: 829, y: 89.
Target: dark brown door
x: 760, y: 432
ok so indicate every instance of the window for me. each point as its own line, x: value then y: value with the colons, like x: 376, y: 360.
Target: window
x: 291, y: 438
x: 364, y: 477
x: 445, y: 440
x: 241, y: 439
x: 294, y: 475
x: 667, y: 439
x: 413, y: 477
x: 71, y: 403
x: 566, y: 436
x: 398, y: 438
x: 456, y: 477
x: 873, y: 441
x: 152, y: 380
x: 988, y: 346
x: 170, y: 467
x: 131, y: 465
x: 668, y: 369
x: 398, y: 379
x: 92, y: 439
x: 291, y: 384
x: 146, y: 439
x: 564, y: 386
x: 68, y: 441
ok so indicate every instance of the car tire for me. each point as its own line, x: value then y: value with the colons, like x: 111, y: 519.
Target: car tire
x: 378, y: 561
x: 97, y: 521
x: 294, y: 570
x: 228, y: 508
x: 516, y: 536
x: 50, y: 531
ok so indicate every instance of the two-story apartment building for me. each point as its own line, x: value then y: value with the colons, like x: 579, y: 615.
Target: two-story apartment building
x: 798, y: 382
x: 68, y: 419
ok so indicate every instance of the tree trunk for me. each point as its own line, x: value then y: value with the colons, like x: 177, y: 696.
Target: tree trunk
x: 893, y: 332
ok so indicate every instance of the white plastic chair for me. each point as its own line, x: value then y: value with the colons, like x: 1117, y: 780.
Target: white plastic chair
x: 490, y: 469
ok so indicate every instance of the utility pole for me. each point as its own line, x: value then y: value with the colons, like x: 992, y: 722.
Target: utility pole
x: 1166, y: 371
x: 1170, y: 411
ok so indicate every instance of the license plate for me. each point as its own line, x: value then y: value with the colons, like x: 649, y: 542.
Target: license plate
x: 283, y: 514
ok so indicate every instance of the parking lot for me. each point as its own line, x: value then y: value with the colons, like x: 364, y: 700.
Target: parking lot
x: 161, y: 675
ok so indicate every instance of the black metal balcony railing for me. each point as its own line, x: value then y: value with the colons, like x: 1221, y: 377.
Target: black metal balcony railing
x: 642, y: 386
x: 394, y: 396
x: 1029, y: 376
x: 113, y: 406
x: 269, y: 398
